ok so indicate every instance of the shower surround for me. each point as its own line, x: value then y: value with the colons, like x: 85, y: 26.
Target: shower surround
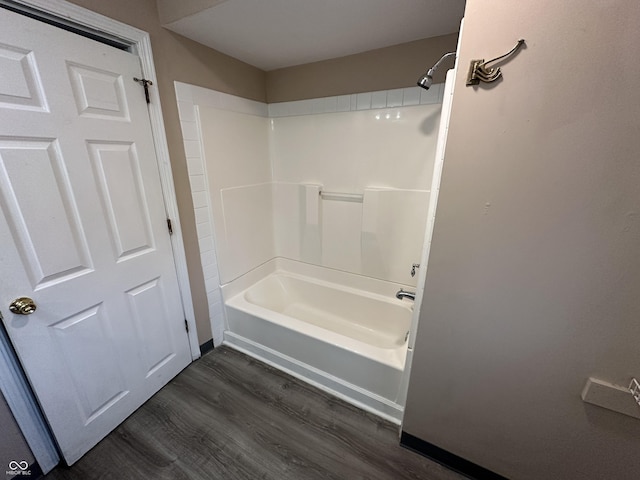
x: 331, y: 192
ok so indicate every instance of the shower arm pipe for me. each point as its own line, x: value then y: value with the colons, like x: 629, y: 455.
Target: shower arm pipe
x: 443, y: 58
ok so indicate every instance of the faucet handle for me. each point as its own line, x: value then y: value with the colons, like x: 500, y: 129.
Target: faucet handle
x: 413, y: 269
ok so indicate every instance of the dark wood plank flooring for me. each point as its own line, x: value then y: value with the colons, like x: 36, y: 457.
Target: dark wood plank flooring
x: 228, y: 416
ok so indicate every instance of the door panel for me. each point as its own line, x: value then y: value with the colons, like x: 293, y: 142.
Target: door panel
x: 83, y: 232
x: 117, y: 170
x: 23, y: 164
x: 92, y: 325
x: 98, y: 94
x: 20, y: 87
x: 146, y: 305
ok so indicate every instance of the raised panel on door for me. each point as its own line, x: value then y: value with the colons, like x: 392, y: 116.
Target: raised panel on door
x: 50, y: 217
x: 117, y: 170
x: 87, y: 356
x: 83, y: 232
x: 148, y: 308
x: 98, y: 93
x: 20, y: 86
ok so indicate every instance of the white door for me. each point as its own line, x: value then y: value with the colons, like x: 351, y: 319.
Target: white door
x: 83, y: 232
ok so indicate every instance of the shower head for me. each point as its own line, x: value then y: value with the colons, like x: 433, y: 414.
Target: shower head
x: 426, y: 80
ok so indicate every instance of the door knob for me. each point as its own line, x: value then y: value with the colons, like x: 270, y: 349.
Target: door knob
x: 23, y: 306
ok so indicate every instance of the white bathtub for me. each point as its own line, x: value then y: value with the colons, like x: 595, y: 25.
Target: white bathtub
x: 342, y: 332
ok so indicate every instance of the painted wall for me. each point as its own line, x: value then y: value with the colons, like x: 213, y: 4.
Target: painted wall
x: 171, y: 11
x: 13, y: 446
x: 178, y: 58
x: 534, y: 270
x: 381, y: 69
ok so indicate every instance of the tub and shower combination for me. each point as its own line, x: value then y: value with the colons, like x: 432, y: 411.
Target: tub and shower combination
x: 341, y: 327
x: 345, y: 333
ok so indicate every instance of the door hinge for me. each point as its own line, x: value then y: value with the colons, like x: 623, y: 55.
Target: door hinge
x: 169, y: 226
x: 145, y: 84
x: 186, y: 325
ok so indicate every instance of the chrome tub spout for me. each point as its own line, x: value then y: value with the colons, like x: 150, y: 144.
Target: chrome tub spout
x: 404, y: 294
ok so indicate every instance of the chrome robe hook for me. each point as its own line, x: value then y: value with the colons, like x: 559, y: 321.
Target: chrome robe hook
x: 479, y: 71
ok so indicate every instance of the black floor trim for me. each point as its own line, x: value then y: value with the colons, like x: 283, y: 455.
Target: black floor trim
x: 206, y: 347
x: 36, y: 471
x: 448, y: 459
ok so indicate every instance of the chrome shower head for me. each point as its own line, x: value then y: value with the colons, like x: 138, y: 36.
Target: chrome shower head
x: 426, y: 80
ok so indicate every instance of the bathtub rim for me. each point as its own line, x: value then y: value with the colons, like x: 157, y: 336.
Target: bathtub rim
x: 349, y: 280
x: 391, y: 357
x: 362, y: 286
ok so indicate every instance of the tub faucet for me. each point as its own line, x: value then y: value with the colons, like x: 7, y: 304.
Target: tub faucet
x: 404, y: 294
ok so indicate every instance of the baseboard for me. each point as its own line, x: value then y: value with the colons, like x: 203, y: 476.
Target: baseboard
x: 206, y: 347
x: 448, y: 459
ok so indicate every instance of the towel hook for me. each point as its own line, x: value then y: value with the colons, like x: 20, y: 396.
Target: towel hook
x: 478, y: 69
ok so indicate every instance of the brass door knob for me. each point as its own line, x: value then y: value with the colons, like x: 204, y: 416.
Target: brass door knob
x: 23, y: 306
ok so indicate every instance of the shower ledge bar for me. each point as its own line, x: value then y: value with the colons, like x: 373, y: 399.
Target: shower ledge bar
x: 342, y: 197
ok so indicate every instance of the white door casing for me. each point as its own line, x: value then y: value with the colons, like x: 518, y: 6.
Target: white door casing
x: 83, y: 232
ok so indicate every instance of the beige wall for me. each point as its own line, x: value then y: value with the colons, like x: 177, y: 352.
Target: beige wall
x: 534, y: 271
x: 12, y: 444
x: 177, y: 58
x: 381, y: 69
x: 171, y: 10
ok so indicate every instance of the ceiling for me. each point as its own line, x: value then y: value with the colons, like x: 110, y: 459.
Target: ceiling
x: 271, y: 34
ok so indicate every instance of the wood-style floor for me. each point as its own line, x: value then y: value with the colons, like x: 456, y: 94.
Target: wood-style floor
x: 230, y: 417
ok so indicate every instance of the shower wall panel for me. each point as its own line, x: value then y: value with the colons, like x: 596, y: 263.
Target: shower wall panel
x: 350, y: 151
x: 386, y: 156
x: 239, y: 178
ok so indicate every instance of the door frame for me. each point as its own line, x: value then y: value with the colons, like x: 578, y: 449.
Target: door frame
x: 17, y: 391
